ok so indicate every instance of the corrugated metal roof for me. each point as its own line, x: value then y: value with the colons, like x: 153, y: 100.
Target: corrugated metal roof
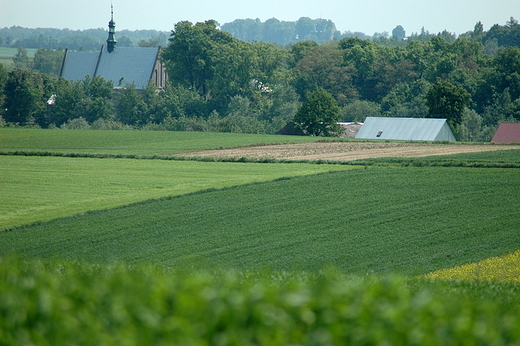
x: 507, y: 133
x: 124, y: 65
x: 415, y: 129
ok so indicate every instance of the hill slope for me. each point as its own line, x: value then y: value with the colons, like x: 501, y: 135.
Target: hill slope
x: 408, y: 220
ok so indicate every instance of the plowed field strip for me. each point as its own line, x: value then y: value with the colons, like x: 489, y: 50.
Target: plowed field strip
x: 349, y: 150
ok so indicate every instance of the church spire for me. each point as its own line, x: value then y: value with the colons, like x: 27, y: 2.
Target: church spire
x: 111, y: 40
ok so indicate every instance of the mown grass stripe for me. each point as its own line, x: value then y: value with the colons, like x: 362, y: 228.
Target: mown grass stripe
x: 42, y: 188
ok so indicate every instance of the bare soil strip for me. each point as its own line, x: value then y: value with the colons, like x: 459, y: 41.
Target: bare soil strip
x: 347, y: 151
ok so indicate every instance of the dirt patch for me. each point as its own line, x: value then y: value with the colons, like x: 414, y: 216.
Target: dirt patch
x: 346, y: 151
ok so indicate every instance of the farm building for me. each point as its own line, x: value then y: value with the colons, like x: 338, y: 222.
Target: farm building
x: 408, y: 129
x: 124, y: 65
x: 507, y: 133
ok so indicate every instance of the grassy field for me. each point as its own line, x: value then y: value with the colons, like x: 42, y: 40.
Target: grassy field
x: 376, y: 220
x: 130, y: 142
x: 500, y: 158
x: 7, y: 55
x: 39, y: 188
x: 400, y: 252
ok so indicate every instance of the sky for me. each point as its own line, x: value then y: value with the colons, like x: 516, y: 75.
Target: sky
x: 367, y: 16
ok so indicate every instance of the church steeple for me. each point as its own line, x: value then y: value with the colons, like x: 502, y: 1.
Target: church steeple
x: 111, y: 40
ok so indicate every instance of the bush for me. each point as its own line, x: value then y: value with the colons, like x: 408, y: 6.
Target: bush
x: 103, y: 124
x: 80, y: 303
x: 76, y: 124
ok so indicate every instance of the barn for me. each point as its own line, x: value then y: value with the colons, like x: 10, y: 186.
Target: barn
x: 121, y: 65
x: 407, y: 129
x: 507, y: 133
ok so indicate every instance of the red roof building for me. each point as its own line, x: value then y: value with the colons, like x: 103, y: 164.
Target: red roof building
x: 507, y: 133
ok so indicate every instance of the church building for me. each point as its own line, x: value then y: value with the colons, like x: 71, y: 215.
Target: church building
x: 121, y: 65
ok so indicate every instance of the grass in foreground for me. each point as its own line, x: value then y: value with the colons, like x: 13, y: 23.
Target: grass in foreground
x: 45, y: 188
x: 63, y: 303
x: 377, y: 220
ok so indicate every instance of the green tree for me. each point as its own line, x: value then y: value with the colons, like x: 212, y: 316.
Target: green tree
x: 406, y: 100
x: 97, y: 99
x: 471, y: 127
x: 304, y: 29
x: 3, y: 79
x: 445, y: 100
x: 359, y: 110
x: 24, y: 97
x: 90, y: 99
x: 399, y: 33
x: 319, y: 114
x: 190, y: 56
x: 323, y: 67
x: 131, y: 108
x: 67, y: 104
x: 21, y: 60
x: 299, y: 50
x: 280, y: 32
x: 48, y: 61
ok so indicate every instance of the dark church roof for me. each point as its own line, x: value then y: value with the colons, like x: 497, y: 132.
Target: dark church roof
x: 507, y: 133
x: 125, y: 65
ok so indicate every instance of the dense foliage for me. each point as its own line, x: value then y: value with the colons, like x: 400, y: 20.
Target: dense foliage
x: 318, y: 115
x: 82, y: 304
x: 221, y: 83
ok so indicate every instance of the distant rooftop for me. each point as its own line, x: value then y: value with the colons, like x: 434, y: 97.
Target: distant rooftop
x: 507, y: 133
x: 407, y: 129
x: 124, y: 65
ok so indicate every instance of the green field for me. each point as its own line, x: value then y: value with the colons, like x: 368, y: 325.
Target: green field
x: 497, y: 159
x: 36, y: 188
x: 249, y: 253
x: 130, y: 142
x: 7, y: 55
x: 377, y: 220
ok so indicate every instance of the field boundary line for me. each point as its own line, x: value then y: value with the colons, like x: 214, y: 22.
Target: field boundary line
x: 387, y: 161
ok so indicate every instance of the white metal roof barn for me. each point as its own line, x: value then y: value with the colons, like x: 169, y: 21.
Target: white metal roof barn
x: 406, y: 129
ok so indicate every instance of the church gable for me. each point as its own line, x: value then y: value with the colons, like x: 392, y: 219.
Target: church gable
x: 128, y: 65
x: 122, y: 66
x: 78, y: 65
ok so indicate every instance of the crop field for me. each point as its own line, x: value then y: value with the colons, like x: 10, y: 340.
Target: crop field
x: 353, y: 150
x: 375, y: 220
x: 389, y: 250
x: 129, y: 142
x: 36, y: 188
x: 502, y: 268
x: 7, y: 55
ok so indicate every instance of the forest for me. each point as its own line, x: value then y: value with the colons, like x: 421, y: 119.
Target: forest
x: 237, y: 78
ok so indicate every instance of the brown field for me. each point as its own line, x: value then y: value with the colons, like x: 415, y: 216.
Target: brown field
x: 349, y: 150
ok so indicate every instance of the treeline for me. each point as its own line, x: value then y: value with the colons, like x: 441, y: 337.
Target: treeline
x: 272, y: 31
x: 221, y: 83
x: 90, y: 39
x: 283, y: 32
